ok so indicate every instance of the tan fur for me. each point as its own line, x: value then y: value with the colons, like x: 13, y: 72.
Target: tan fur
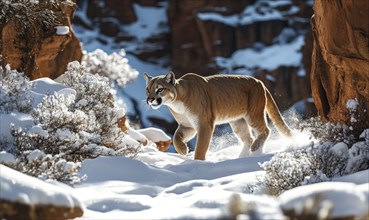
x: 199, y: 103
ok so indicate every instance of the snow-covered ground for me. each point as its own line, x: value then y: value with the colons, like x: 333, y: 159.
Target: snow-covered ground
x: 161, y: 185
x: 169, y: 186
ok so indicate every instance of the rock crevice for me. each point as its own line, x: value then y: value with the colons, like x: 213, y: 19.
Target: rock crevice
x: 340, y: 61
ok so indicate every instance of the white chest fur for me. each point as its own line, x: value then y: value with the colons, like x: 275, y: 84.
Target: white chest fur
x: 183, y: 115
x: 178, y: 107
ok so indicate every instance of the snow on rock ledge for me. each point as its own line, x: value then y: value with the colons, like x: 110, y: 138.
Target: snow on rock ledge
x: 328, y: 200
x: 158, y: 136
x: 26, y: 197
x: 143, y: 136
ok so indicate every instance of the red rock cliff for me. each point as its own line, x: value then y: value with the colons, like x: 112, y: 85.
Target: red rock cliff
x: 28, y: 40
x: 340, y: 61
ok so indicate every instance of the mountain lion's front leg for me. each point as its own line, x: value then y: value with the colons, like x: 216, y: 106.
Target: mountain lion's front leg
x: 181, y: 137
x: 204, y: 134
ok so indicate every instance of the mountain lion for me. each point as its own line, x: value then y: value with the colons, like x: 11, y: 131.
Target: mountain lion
x: 199, y: 103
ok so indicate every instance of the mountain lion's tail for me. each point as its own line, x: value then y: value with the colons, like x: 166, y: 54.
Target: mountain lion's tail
x: 276, y: 116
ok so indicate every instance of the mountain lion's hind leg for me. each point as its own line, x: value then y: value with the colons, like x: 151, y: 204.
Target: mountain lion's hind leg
x: 242, y: 131
x: 181, y: 137
x: 258, y: 122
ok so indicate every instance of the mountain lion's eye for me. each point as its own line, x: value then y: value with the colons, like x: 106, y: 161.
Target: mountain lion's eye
x: 159, y: 90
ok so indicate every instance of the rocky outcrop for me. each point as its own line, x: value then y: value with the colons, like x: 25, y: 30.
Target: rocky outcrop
x: 29, y: 41
x: 26, y: 197
x: 15, y: 210
x: 340, y: 61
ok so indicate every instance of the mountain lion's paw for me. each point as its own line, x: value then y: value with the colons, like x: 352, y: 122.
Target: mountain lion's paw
x: 182, y: 149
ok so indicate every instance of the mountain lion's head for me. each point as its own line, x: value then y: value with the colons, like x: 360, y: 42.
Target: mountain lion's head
x: 160, y: 89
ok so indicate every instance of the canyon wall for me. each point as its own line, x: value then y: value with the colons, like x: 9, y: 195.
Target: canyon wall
x: 191, y: 43
x: 340, y: 61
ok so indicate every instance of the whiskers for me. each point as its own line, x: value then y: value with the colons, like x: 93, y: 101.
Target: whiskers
x: 144, y: 105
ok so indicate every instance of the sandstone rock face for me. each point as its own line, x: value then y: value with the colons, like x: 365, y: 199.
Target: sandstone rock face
x: 38, y: 51
x: 340, y: 61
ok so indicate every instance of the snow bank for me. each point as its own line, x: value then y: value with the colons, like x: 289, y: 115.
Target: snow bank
x: 342, y: 199
x: 171, y: 186
x: 360, y: 177
x: 19, y: 187
x: 167, y: 186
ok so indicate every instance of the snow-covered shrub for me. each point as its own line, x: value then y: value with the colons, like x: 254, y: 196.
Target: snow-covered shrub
x: 73, y: 124
x: 47, y: 166
x: 338, y: 152
x: 313, y: 164
x: 359, y: 154
x: 84, y: 114
x: 285, y: 171
x: 94, y: 98
x: 114, y: 66
x: 14, y: 91
x: 327, y: 131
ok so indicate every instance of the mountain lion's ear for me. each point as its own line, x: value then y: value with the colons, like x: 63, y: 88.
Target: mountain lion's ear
x: 147, y: 77
x: 170, y: 77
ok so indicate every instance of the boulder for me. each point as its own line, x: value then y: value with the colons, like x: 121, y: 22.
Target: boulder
x: 340, y: 62
x: 16, y: 210
x: 37, y: 48
x: 26, y: 197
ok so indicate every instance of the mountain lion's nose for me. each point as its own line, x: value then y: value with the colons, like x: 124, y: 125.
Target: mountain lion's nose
x: 150, y: 100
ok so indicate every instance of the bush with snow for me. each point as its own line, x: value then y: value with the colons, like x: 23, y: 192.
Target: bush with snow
x: 73, y: 124
x: 316, y: 163
x: 359, y: 154
x: 14, y: 91
x: 114, y: 66
x: 286, y: 170
x: 328, y: 131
